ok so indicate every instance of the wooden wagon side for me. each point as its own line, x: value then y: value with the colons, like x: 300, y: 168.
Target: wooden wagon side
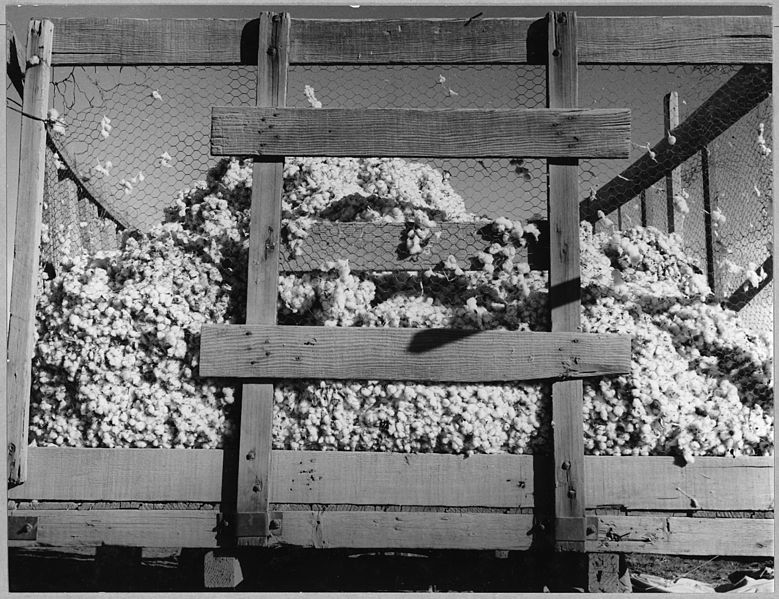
x: 502, y: 502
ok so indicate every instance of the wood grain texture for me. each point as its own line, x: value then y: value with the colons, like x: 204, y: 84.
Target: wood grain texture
x: 382, y: 247
x: 693, y: 40
x: 632, y: 483
x: 27, y: 241
x: 130, y: 528
x: 734, y: 99
x: 408, y: 530
x: 404, y: 132
x: 565, y: 284
x: 268, y: 351
x: 673, y: 178
x: 669, y: 40
x: 684, y: 536
x: 254, y: 462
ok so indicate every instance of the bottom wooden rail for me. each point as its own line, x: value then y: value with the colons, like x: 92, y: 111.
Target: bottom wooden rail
x: 391, y: 530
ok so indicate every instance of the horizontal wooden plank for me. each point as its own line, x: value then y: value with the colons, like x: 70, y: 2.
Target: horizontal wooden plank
x: 271, y: 351
x: 382, y: 247
x: 726, y: 39
x: 684, y: 536
x: 669, y: 40
x: 130, y: 528
x: 114, y: 41
x: 429, y: 133
x: 407, y: 530
x: 392, y: 530
x: 368, y: 478
x: 659, y: 483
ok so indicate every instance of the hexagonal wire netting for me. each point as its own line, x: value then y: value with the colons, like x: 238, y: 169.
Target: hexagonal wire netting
x: 157, y: 143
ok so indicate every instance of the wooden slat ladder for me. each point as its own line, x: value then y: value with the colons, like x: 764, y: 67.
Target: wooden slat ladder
x: 261, y: 350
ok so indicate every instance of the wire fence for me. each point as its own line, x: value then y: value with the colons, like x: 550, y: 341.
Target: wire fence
x: 139, y: 135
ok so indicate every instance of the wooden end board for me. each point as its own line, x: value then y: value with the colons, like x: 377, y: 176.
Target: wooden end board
x: 21, y: 328
x: 405, y: 132
x: 367, y: 353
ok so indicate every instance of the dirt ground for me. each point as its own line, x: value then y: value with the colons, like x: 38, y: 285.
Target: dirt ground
x: 301, y: 570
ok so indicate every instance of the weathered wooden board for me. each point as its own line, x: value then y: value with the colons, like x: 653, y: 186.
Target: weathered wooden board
x: 654, y: 482
x: 565, y: 288
x: 685, y: 536
x: 270, y: 351
x: 635, y: 483
x: 382, y: 247
x: 727, y: 39
x: 680, y: 40
x: 405, y: 132
x: 256, y: 426
x: 734, y: 99
x: 29, y: 208
x: 389, y: 530
x: 371, y: 530
x: 130, y: 528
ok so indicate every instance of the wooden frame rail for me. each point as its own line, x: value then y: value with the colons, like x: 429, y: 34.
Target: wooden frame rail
x: 366, y: 353
x: 375, y: 478
x: 602, y: 40
x: 402, y: 132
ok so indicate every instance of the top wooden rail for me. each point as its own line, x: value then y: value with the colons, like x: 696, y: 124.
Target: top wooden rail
x: 602, y: 40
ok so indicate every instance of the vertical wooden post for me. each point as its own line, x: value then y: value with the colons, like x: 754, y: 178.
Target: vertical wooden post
x: 565, y: 290
x: 21, y: 328
x: 267, y: 183
x: 4, y: 41
x: 642, y: 197
x: 673, y: 180
x: 708, y: 206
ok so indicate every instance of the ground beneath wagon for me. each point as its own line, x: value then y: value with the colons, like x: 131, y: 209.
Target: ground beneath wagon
x: 296, y: 570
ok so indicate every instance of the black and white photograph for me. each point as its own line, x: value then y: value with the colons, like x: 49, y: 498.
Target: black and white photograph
x: 326, y: 299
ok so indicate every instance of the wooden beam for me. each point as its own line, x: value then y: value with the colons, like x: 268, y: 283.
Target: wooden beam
x: 321, y: 530
x: 684, y: 536
x: 565, y: 288
x: 746, y: 292
x: 740, y: 94
x: 675, y: 40
x: 373, y: 478
x: 270, y: 351
x: 21, y: 328
x: 651, y: 40
x: 256, y: 429
x: 403, y: 132
x: 394, y: 530
x: 673, y: 178
x: 129, y: 528
x: 382, y: 247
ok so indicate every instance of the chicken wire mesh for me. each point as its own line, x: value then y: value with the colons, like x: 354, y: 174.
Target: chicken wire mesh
x: 138, y: 135
x: 153, y: 130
